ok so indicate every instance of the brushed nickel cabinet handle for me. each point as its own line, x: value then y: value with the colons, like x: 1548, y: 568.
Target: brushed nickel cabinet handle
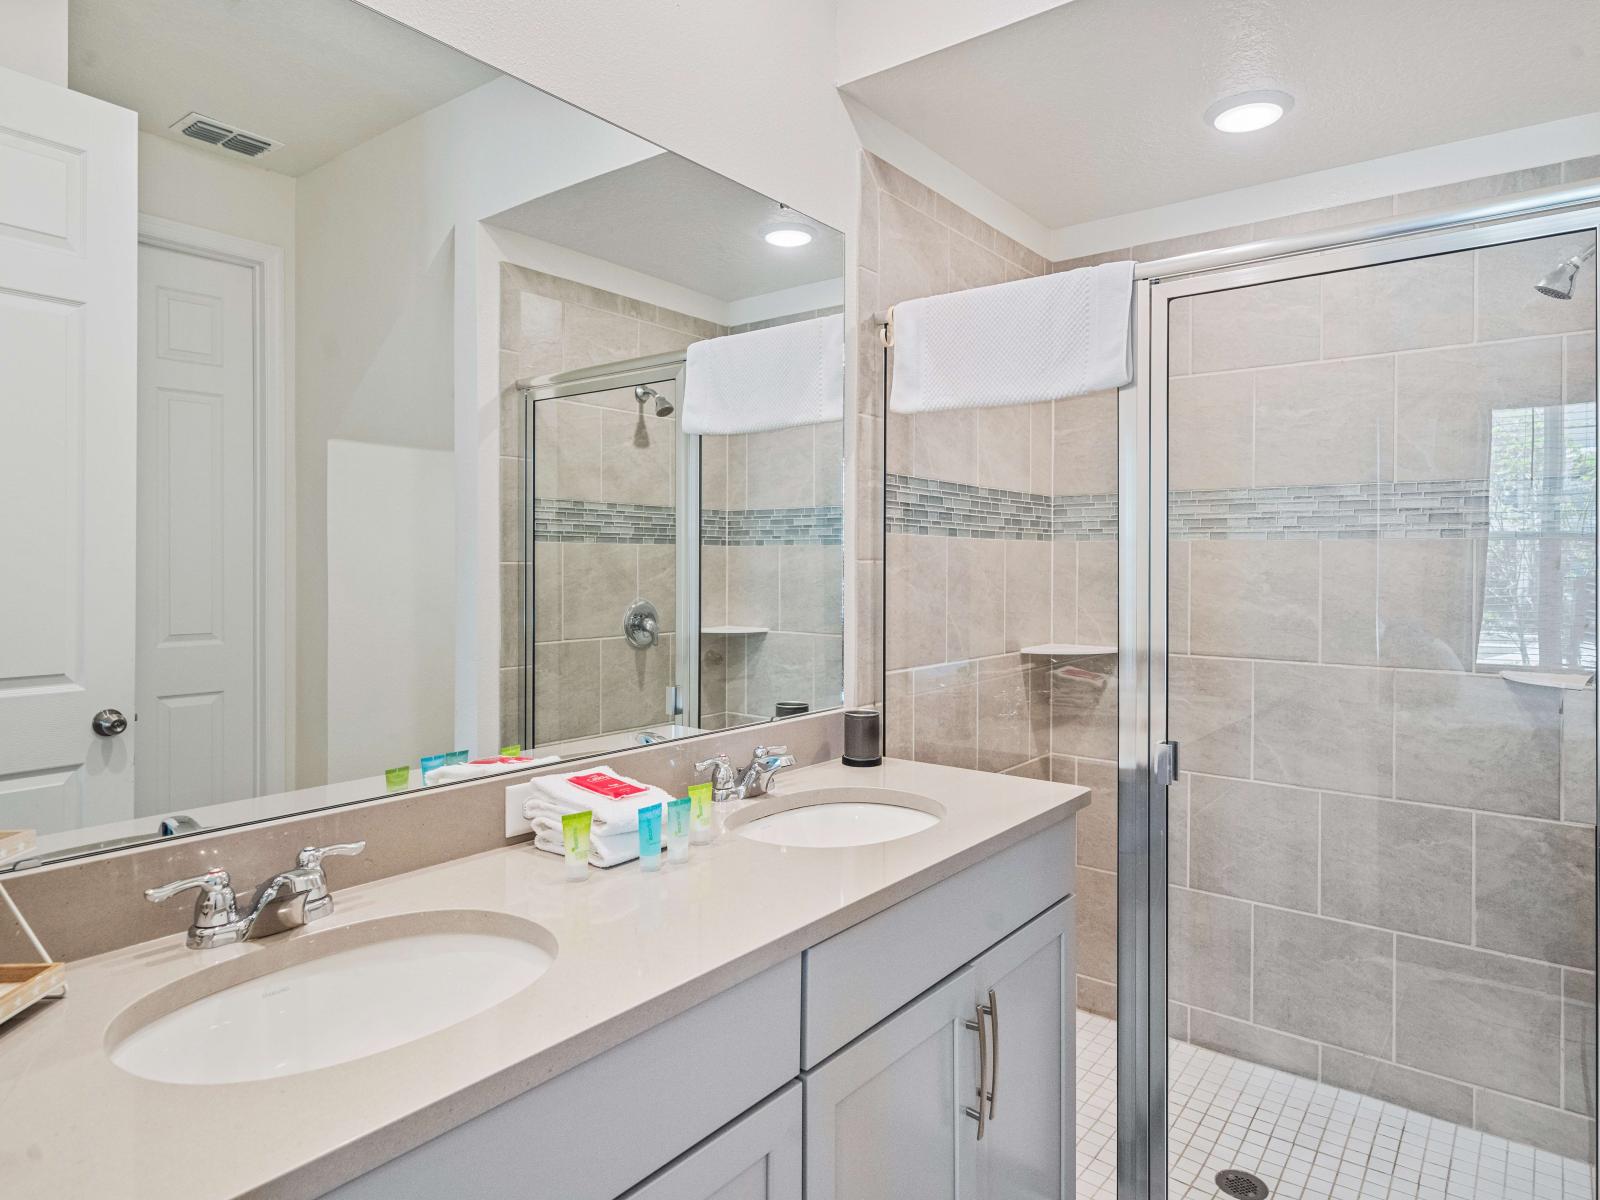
x: 978, y: 1114
x: 994, y: 1042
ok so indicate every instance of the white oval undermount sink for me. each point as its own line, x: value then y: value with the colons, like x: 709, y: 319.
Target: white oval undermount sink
x: 337, y: 996
x: 823, y: 818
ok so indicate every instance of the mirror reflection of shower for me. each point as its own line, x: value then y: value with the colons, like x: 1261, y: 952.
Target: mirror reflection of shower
x: 645, y: 394
x: 1558, y: 284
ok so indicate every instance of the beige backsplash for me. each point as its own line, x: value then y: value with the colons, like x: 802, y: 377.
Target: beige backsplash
x: 92, y: 905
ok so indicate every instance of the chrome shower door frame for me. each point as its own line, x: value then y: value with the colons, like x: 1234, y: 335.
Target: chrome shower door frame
x: 1142, y: 561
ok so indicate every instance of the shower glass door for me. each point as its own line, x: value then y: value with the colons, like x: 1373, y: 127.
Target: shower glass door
x: 1373, y: 642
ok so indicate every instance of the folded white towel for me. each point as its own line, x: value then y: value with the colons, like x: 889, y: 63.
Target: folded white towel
x: 770, y: 378
x: 1057, y: 335
x: 614, y: 799
x: 482, y: 767
x: 604, y: 850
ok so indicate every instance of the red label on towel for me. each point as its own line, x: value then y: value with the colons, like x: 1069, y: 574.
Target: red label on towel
x: 605, y: 785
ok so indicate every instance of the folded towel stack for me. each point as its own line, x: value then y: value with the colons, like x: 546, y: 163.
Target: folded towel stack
x: 478, y: 768
x: 615, y: 801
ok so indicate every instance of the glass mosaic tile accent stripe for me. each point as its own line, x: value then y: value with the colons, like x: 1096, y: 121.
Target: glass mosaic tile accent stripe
x: 933, y: 506
x: 822, y: 525
x: 1433, y: 508
x: 556, y: 520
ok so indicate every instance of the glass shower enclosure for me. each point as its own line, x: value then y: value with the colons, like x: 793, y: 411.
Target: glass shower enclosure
x: 1356, y: 885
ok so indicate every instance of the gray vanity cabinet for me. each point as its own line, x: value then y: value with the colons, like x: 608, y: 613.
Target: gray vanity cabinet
x: 757, y: 1157
x: 896, y: 1114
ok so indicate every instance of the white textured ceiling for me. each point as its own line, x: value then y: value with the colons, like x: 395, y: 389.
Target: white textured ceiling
x: 668, y: 217
x: 320, y: 76
x: 1095, y: 108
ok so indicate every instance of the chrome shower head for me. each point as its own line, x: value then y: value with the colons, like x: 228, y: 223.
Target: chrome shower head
x: 644, y: 394
x: 1558, y: 284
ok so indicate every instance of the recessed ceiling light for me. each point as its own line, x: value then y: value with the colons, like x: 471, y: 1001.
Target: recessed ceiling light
x: 788, y: 236
x: 1249, y: 111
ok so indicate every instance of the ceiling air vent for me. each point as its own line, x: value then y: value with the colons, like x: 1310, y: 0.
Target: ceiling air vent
x: 216, y: 133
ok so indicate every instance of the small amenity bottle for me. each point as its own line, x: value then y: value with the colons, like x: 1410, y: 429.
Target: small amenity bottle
x: 678, y: 830
x: 650, y: 838
x: 702, y: 827
x: 575, y: 828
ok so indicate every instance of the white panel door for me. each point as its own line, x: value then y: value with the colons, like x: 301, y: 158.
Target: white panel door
x: 756, y: 1157
x: 68, y: 229
x: 197, y: 532
x: 1028, y: 1144
x: 886, y: 1117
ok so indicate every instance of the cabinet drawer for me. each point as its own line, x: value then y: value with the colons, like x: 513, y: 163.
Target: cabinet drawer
x: 598, y: 1129
x: 857, y: 978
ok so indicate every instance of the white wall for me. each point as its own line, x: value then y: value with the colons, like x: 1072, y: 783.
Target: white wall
x: 33, y: 38
x: 377, y: 314
x: 389, y: 693
x: 200, y: 187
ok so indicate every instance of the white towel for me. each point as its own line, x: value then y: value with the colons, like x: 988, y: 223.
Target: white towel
x: 482, y: 767
x: 604, y: 851
x: 1015, y: 343
x: 554, y: 795
x: 770, y: 378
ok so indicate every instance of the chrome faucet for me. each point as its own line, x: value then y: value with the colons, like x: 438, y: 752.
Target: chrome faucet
x: 753, y: 781
x: 217, y: 919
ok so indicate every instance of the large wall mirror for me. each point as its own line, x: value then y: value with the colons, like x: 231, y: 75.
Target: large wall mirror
x: 364, y: 410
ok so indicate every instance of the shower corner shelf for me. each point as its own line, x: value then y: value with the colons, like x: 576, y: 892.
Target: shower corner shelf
x: 1066, y: 650
x: 1567, y: 681
x: 733, y: 630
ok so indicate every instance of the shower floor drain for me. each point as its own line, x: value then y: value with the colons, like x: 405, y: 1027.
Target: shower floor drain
x: 1241, y: 1185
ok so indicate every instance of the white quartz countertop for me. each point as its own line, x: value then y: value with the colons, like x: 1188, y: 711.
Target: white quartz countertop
x: 634, y: 949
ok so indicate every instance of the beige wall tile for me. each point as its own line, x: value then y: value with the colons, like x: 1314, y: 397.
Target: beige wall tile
x: 866, y: 216
x: 811, y: 595
x: 827, y: 671
x: 780, y: 468
x: 1486, y: 187
x: 1097, y: 926
x: 578, y: 438
x: 1325, y: 727
x: 633, y: 683
x: 1534, y: 889
x: 1324, y: 980
x: 915, y: 605
x: 1533, y: 1124
x: 539, y: 331
x: 1253, y: 1043
x: 1254, y: 599
x: 976, y: 587
x: 1401, y: 305
x: 546, y: 692
x: 1578, y: 1037
x: 1257, y: 326
x: 1208, y: 952
x: 658, y: 339
x: 1445, y: 401
x: 1398, y: 1085
x: 513, y: 624
x: 1211, y: 431
x: 1253, y: 841
x: 634, y: 473
x: 1097, y: 593
x: 1208, y: 709
x: 1578, y: 757
x: 972, y: 265
x: 897, y: 183
x: 1426, y: 603
x: 1507, y: 304
x: 1083, y: 707
x: 714, y: 586
x: 828, y: 458
x: 1180, y: 341
x: 1178, y: 597
x: 1064, y: 590
x: 944, y: 445
x: 1349, y: 601
x: 1477, y: 741
x: 1013, y: 714
x: 778, y: 667
x: 513, y: 530
x: 578, y: 690
x: 898, y: 715
x: 1480, y: 1018
x: 658, y: 582
x: 1027, y: 605
x: 590, y: 336
x: 1005, y: 453
x: 755, y: 586
x: 1086, y: 445
x: 913, y: 253
x: 1097, y: 824
x: 1178, y: 832
x: 946, y: 728
x: 1398, y: 866
x: 1358, y: 212
x: 1041, y: 449
x: 546, y: 592
x: 1325, y: 423
x: 598, y: 582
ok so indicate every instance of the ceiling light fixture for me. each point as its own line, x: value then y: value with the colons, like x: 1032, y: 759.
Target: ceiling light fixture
x: 788, y: 236
x: 1249, y: 111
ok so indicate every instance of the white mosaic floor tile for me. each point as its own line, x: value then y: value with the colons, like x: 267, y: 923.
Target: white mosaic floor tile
x: 1307, y: 1140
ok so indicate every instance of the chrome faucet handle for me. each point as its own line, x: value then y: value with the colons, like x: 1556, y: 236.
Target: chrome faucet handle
x: 769, y: 751
x: 312, y: 856
x: 724, y: 783
x: 213, y: 908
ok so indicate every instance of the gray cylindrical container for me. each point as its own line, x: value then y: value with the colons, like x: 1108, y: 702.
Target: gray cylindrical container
x: 863, y: 740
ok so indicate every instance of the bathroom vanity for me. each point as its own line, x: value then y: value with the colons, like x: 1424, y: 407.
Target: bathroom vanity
x: 766, y: 1020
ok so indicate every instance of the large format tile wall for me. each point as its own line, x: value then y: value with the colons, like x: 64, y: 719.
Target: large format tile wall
x: 1388, y: 853
x: 771, y: 559
x: 604, y: 512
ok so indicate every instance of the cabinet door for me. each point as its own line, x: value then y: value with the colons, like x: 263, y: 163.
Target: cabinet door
x: 886, y: 1116
x: 756, y: 1157
x: 1028, y: 1142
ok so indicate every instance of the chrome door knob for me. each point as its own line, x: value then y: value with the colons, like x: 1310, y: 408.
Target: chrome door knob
x: 108, y: 722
